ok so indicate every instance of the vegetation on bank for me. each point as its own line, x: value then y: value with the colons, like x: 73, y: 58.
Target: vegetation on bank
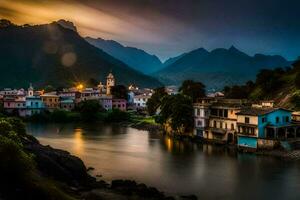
x: 175, y: 112
x: 20, y: 178
x: 280, y: 84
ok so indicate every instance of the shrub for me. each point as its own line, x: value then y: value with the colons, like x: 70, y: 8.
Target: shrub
x: 116, y: 115
x: 15, y: 164
x: 5, y: 127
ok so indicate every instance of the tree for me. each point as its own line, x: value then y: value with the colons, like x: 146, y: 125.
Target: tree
x: 177, y: 110
x: 239, y: 92
x: 120, y: 92
x: 49, y: 88
x: 154, y: 102
x: 89, y: 109
x: 192, y: 89
x: 269, y: 80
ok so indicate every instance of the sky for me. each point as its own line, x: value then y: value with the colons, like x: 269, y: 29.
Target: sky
x: 168, y: 28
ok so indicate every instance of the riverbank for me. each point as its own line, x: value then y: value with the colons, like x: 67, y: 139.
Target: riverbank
x: 36, y: 171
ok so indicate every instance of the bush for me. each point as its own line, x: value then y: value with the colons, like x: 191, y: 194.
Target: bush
x: 5, y: 127
x: 15, y: 164
x: 116, y: 115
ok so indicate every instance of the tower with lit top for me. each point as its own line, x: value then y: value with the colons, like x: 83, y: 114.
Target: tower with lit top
x: 30, y: 91
x: 110, y: 82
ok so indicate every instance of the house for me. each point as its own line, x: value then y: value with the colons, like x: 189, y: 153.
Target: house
x: 89, y: 94
x: 262, y: 127
x: 34, y: 103
x: 67, y: 104
x: 223, y: 120
x: 106, y: 102
x: 201, y: 116
x: 51, y: 101
x: 140, y: 101
x: 119, y: 104
x: 15, y: 105
x: 296, y: 117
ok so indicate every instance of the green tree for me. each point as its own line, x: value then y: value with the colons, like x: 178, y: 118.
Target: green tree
x: 89, y: 109
x: 269, y: 80
x: 177, y: 110
x: 154, y: 102
x: 239, y: 91
x: 192, y: 89
x: 49, y: 88
x: 120, y: 92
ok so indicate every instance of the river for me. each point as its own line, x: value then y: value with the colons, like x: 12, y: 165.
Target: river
x: 175, y: 167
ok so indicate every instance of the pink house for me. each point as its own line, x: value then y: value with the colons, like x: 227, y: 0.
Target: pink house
x: 119, y: 104
x: 15, y: 104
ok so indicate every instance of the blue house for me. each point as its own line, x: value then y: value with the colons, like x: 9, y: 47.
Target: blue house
x: 257, y: 125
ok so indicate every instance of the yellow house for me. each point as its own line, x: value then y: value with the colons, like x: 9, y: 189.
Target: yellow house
x: 51, y: 101
x: 223, y: 121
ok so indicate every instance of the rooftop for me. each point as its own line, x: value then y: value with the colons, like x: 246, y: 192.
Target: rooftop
x: 253, y: 111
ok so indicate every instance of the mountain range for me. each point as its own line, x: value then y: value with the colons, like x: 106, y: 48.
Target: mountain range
x: 218, y: 67
x: 55, y: 54
x: 136, y: 58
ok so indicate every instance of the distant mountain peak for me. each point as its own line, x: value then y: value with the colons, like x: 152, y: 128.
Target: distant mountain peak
x: 67, y: 24
x: 136, y: 58
x: 233, y: 48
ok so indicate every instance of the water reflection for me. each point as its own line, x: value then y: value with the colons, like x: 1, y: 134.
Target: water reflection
x: 78, y: 145
x: 177, y: 167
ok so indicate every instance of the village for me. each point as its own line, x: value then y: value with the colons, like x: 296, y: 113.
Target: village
x: 248, y: 125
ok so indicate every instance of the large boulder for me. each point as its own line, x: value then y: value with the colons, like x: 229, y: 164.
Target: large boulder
x: 59, y: 164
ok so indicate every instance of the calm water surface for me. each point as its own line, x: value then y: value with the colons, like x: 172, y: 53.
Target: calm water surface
x: 175, y: 167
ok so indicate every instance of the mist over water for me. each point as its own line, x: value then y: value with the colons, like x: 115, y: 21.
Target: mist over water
x: 175, y: 167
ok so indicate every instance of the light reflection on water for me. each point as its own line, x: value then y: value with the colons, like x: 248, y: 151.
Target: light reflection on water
x: 177, y: 167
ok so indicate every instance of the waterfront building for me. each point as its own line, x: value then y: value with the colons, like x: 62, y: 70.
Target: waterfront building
x: 34, y: 103
x: 223, y: 120
x: 296, y: 117
x: 67, y: 104
x: 201, y: 116
x: 119, y: 104
x: 15, y: 105
x: 110, y: 82
x: 264, y: 127
x: 51, y: 101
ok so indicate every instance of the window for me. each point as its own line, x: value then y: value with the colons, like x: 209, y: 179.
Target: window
x: 206, y: 113
x: 263, y: 120
x: 247, y: 120
x: 287, y: 119
x: 232, y: 126
x: 225, y: 125
x: 199, y: 123
x: 215, y: 124
x: 226, y: 113
x: 277, y: 120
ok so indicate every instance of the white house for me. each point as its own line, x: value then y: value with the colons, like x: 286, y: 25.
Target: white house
x: 140, y: 101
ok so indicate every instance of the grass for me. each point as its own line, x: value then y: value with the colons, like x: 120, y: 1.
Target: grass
x: 138, y: 119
